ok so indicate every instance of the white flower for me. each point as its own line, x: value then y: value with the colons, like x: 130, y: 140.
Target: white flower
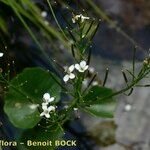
x: 46, y: 111
x: 77, y: 17
x: 43, y: 14
x: 1, y: 54
x: 47, y: 98
x: 69, y: 74
x: 82, y: 66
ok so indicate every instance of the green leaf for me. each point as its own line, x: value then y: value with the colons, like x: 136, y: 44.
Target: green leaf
x: 101, y: 108
x: 39, y: 134
x: 89, y: 29
x: 25, y: 93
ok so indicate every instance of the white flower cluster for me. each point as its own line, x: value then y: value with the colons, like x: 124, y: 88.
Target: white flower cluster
x: 47, y: 99
x: 1, y: 54
x: 69, y: 74
x: 81, y: 67
x: 77, y: 17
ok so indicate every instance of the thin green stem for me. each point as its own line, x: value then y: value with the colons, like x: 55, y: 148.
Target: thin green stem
x: 123, y: 90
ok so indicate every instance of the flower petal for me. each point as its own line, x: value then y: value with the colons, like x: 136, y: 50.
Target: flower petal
x: 77, y: 66
x: 46, y: 96
x: 66, y: 78
x: 51, y: 108
x: 86, y: 67
x: 81, y: 70
x: 1, y: 54
x: 44, y: 107
x: 51, y: 99
x: 71, y: 76
x: 42, y: 114
x: 47, y: 115
x: 83, y: 64
x: 71, y: 68
x: 45, y: 104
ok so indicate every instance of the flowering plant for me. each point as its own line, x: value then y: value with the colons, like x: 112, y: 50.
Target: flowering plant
x: 33, y: 98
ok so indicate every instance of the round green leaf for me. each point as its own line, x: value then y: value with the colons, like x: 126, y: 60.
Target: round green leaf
x: 25, y: 94
x: 96, y: 93
x: 100, y: 107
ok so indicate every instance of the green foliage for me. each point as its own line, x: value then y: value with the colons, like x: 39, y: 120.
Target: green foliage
x: 25, y: 93
x: 38, y: 134
x: 102, y: 108
x: 82, y: 37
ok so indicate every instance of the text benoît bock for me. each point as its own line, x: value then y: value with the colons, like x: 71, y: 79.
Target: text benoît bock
x: 4, y: 143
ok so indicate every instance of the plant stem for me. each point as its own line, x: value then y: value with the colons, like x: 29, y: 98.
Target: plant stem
x: 123, y: 90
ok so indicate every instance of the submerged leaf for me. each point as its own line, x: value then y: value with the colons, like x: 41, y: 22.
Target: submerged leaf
x: 101, y: 108
x: 25, y: 94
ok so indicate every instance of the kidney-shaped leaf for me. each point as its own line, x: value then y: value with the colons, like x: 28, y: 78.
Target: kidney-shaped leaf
x: 25, y: 94
x: 100, y: 107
